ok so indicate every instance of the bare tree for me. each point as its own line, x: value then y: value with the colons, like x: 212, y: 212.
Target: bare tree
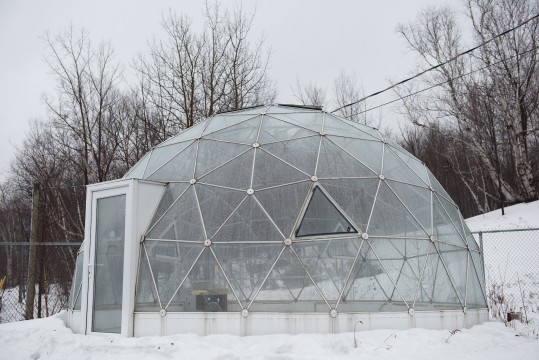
x: 190, y: 75
x: 478, y: 98
x: 309, y: 94
x: 347, y: 91
x: 81, y: 110
x: 512, y: 75
x: 248, y: 65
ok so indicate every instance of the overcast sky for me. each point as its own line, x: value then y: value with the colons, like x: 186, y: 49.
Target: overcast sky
x: 311, y: 41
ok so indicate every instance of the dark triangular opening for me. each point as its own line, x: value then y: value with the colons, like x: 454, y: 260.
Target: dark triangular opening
x: 322, y: 217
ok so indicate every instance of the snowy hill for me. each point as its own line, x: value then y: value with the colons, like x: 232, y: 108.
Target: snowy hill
x: 518, y: 216
x: 511, y: 260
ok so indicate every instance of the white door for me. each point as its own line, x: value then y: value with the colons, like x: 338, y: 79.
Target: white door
x: 106, y: 263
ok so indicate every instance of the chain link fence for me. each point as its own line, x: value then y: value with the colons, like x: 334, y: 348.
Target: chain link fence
x: 50, y: 264
x: 511, y: 262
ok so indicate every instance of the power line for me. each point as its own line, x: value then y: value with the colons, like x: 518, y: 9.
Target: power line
x: 439, y: 84
x: 439, y: 65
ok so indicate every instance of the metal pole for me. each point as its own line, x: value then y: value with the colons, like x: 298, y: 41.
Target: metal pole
x: 482, y: 257
x: 31, y: 288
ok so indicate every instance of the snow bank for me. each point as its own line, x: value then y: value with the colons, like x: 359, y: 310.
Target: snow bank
x: 49, y: 338
x: 520, y: 216
x: 511, y: 260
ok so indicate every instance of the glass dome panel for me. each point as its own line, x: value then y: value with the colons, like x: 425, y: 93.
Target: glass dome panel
x: 369, y: 153
x: 257, y: 178
x: 301, y: 153
x: 334, y: 162
x: 283, y: 204
x: 273, y: 130
x: 323, y: 218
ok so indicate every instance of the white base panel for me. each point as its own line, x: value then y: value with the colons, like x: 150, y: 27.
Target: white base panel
x: 148, y: 324
x: 74, y: 321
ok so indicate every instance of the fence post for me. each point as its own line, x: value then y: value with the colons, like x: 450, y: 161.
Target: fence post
x: 31, y: 288
x: 482, y: 258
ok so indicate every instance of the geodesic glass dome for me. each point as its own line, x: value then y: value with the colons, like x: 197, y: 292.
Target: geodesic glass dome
x: 291, y: 209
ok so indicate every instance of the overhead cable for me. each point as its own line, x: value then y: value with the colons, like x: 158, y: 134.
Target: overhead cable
x: 439, y: 84
x: 439, y: 65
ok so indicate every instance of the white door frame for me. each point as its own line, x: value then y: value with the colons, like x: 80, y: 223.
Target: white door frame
x: 95, y: 192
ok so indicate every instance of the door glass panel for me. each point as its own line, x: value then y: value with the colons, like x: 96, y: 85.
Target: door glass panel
x: 109, y: 264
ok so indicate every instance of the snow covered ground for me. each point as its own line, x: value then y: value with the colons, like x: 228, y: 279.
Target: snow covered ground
x: 520, y: 216
x: 13, y: 310
x: 511, y: 258
x: 51, y: 339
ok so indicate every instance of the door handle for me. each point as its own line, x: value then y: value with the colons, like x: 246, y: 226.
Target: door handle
x: 90, y: 271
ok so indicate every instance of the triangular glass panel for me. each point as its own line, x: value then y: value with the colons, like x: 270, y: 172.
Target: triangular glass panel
x: 474, y: 292
x: 430, y: 262
x: 146, y: 294
x: 453, y: 213
x: 395, y: 169
x: 283, y: 204
x: 477, y: 263
x: 394, y: 145
x: 339, y: 127
x: 212, y: 154
x: 435, y: 286
x: 368, y: 130
x: 273, y: 130
x: 248, y: 223
x: 162, y: 155
x: 403, y: 259
x: 333, y: 162
x: 443, y: 228
x: 246, y: 266
x: 354, y: 196
x: 368, y: 153
x: 170, y: 195
x: 300, y: 153
x: 455, y: 259
x: 235, y: 174
x: 137, y: 171
x: 170, y: 262
x: 417, y: 166
x: 181, y: 222
x: 416, y: 199
x: 270, y: 171
x: 438, y: 188
x: 328, y: 262
x: 216, y: 205
x: 471, y: 240
x: 308, y: 120
x: 206, y: 288
x: 391, y: 218
x: 368, y: 280
x: 188, y: 134
x: 323, y: 218
x: 222, y: 121
x: 289, y: 288
x: 245, y: 132
x: 179, y: 168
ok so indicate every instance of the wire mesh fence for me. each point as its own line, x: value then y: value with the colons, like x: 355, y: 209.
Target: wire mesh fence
x: 49, y: 265
x: 511, y: 261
